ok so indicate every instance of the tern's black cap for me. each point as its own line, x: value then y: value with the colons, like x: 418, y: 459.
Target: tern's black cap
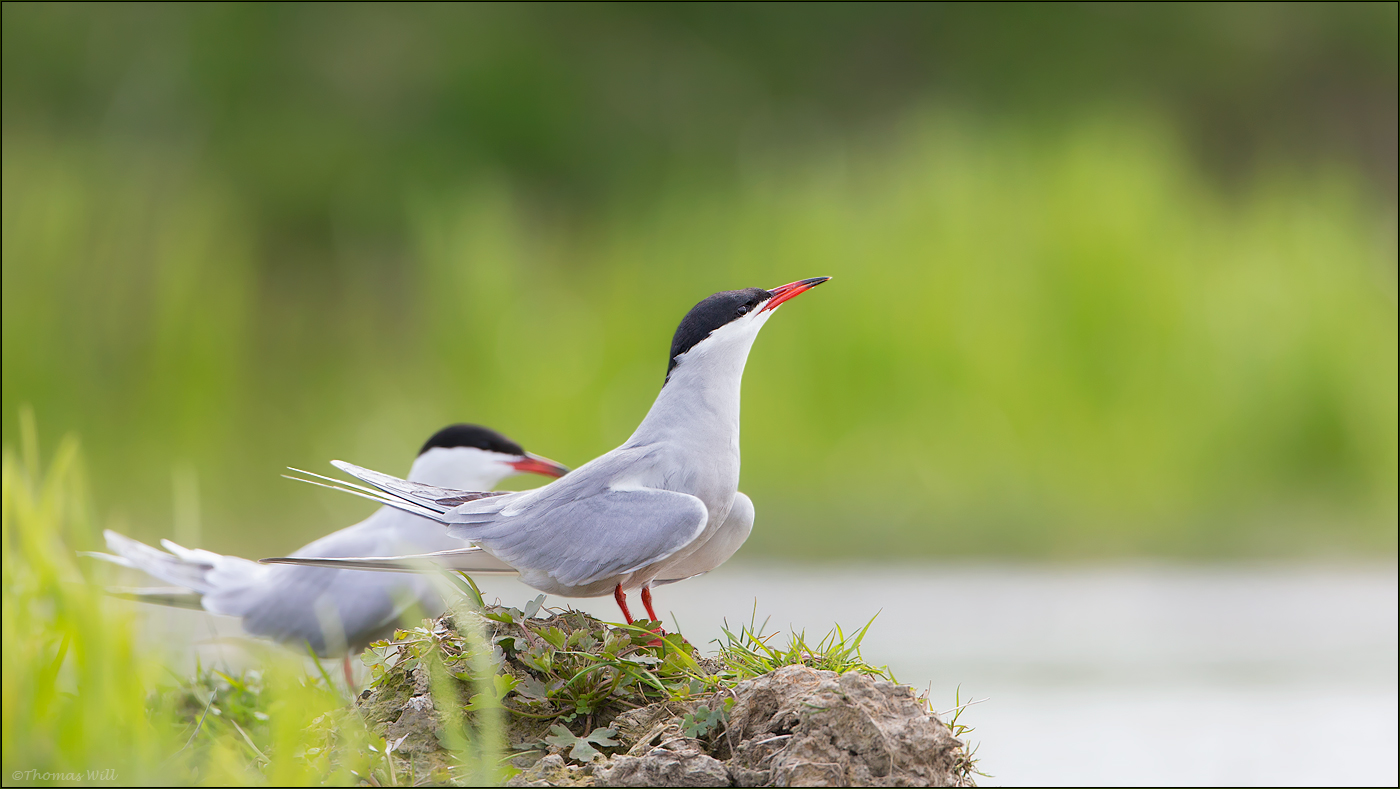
x: 710, y: 314
x: 474, y: 436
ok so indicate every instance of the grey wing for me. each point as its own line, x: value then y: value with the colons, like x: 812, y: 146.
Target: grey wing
x: 393, y: 541
x: 591, y: 538
x: 331, y: 609
x: 471, y: 560
x: 721, y: 545
x: 335, y: 607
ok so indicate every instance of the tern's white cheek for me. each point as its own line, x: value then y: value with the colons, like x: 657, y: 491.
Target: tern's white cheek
x: 733, y: 338
x: 460, y: 468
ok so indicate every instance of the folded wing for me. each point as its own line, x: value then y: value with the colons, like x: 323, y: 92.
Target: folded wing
x: 467, y: 560
x: 583, y: 540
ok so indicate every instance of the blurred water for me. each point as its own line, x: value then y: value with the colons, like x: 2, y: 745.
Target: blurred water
x: 1127, y: 675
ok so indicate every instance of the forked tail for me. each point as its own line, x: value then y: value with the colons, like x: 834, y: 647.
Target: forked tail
x: 193, y: 572
x: 428, y: 501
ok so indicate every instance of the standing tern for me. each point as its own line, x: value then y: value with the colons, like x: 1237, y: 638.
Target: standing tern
x: 663, y: 507
x: 336, y: 610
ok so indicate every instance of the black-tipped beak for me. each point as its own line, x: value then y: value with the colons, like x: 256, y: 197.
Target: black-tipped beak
x: 784, y: 292
x: 534, y: 464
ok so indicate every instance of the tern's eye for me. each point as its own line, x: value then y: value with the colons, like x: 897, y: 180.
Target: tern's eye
x: 743, y: 309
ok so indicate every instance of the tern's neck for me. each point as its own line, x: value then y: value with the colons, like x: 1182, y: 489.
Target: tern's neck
x: 700, y: 402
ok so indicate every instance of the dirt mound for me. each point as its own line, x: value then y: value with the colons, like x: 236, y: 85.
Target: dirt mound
x: 802, y: 727
x: 628, y: 712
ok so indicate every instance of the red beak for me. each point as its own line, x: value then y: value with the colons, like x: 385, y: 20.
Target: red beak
x: 534, y: 464
x: 784, y: 292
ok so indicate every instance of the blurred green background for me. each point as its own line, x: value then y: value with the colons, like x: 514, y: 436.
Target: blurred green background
x: 1110, y: 280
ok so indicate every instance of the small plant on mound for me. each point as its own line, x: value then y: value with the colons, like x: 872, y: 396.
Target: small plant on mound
x: 965, y: 765
x: 752, y: 653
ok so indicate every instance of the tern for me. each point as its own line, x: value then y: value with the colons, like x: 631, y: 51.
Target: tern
x: 334, y: 610
x: 663, y: 507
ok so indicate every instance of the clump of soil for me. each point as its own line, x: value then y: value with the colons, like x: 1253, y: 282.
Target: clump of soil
x: 588, y: 704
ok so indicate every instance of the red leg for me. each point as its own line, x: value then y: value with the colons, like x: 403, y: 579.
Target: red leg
x: 646, y: 601
x: 349, y: 674
x: 621, y: 598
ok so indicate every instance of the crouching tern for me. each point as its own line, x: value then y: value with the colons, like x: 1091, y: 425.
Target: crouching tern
x: 335, y: 610
x: 663, y: 507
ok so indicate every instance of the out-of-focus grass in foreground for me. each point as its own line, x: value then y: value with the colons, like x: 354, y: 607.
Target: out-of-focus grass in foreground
x: 85, y: 703
x: 1052, y: 343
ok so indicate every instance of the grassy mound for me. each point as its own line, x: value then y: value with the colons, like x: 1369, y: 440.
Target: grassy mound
x: 571, y: 700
